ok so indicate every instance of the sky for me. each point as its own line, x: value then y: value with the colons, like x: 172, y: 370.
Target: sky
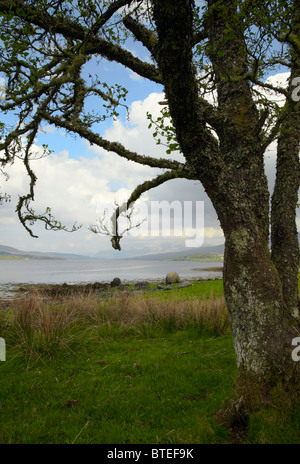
x: 79, y: 182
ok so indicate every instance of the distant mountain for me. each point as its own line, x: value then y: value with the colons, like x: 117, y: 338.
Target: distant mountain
x: 206, y: 250
x: 14, y: 252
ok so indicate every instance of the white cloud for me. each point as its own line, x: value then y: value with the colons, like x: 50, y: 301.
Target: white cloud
x: 278, y: 81
x: 7, y: 221
x: 48, y: 129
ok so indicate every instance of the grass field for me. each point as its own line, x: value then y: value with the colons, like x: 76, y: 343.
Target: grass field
x: 147, y: 368
x: 5, y: 257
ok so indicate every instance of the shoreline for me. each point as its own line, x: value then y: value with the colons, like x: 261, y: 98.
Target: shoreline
x: 15, y: 291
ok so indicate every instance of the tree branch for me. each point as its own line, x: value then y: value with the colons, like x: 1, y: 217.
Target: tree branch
x: 115, y: 147
x: 136, y: 194
x: 93, y: 44
x: 113, y: 52
x: 199, y: 37
x: 188, y: 111
x: 111, y: 10
x: 269, y: 86
x: 141, y: 33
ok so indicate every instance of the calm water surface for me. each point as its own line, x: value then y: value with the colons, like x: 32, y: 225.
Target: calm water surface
x: 84, y: 271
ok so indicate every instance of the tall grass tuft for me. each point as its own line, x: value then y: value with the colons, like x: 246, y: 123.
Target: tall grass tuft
x: 42, y: 327
x: 205, y: 315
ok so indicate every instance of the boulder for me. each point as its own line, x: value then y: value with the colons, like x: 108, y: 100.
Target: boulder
x: 184, y: 285
x: 140, y: 285
x: 172, y: 278
x: 168, y: 287
x: 116, y: 282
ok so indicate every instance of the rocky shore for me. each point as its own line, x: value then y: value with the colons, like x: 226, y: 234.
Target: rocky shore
x: 103, y: 289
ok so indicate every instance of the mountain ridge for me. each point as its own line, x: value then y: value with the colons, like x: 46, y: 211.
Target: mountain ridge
x: 15, y: 252
x: 204, y: 250
x: 217, y: 249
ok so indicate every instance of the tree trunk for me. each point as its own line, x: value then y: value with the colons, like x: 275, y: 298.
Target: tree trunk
x: 261, y: 325
x: 284, y: 236
x: 261, y: 329
x: 259, y: 319
x: 231, y: 170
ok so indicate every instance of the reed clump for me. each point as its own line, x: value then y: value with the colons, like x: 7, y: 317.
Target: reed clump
x: 204, y: 314
x: 40, y: 326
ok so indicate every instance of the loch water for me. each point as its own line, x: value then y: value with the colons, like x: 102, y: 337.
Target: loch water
x: 71, y: 271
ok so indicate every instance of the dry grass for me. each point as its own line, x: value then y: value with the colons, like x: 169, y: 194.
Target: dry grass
x: 38, y: 325
x: 173, y: 314
x: 39, y: 328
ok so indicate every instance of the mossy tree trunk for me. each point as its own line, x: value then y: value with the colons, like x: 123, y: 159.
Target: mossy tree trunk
x: 284, y: 244
x: 232, y: 172
x: 261, y: 323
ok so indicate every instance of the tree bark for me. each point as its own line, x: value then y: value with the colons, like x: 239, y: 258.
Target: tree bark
x: 261, y: 325
x: 232, y: 172
x: 284, y: 236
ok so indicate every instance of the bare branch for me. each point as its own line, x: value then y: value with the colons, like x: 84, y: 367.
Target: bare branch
x: 265, y: 85
x: 136, y: 194
x: 111, y: 10
x: 112, y: 229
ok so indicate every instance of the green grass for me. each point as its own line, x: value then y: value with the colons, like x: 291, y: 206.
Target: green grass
x: 199, y: 257
x: 5, y: 257
x: 204, y: 289
x: 132, y: 395
x: 136, y: 369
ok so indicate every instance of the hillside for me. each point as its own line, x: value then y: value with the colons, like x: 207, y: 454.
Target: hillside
x: 10, y: 252
x: 187, y: 253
